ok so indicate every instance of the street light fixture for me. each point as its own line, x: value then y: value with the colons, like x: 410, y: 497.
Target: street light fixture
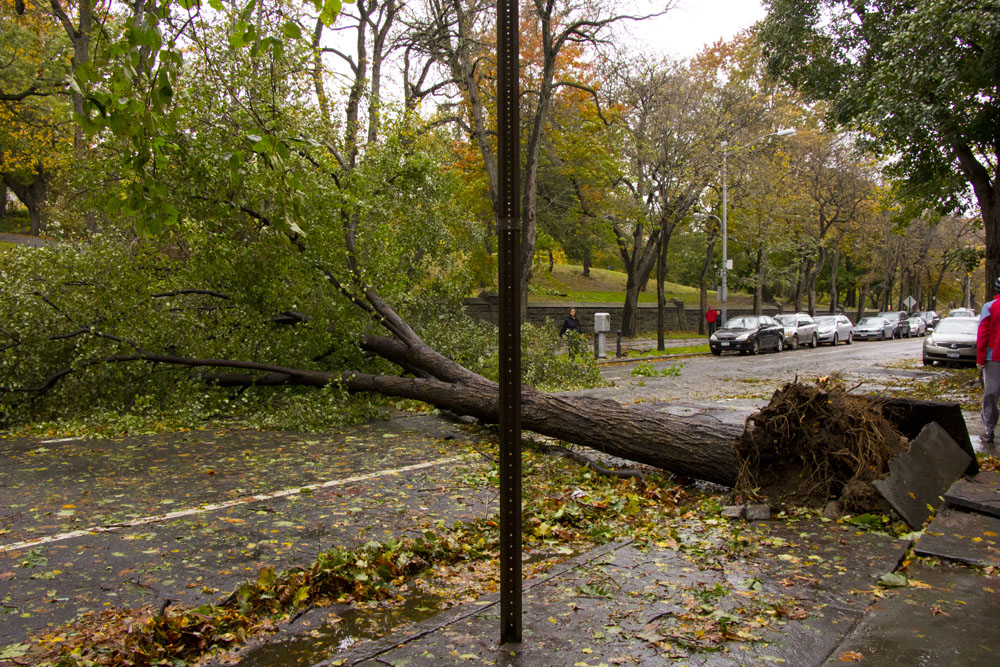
x: 724, y: 275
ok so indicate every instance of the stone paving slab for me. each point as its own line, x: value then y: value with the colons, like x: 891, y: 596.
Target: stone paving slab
x: 806, y: 600
x: 919, y: 477
x: 980, y: 493
x: 946, y: 617
x: 962, y: 536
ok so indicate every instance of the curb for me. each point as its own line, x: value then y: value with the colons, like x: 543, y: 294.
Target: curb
x: 659, y: 357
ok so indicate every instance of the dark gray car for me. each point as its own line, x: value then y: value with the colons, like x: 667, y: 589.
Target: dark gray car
x: 900, y: 322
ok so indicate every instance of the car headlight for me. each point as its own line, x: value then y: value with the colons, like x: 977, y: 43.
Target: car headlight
x: 742, y: 337
x: 929, y: 340
x: 713, y: 336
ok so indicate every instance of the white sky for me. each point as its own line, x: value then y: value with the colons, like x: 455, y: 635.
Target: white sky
x: 688, y: 28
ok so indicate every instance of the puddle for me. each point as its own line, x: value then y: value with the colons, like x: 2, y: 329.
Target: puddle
x: 309, y: 646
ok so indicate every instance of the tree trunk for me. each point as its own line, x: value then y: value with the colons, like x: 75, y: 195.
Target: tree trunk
x: 693, y: 446
x: 834, y: 291
x: 631, y: 303
x: 32, y: 195
x: 862, y: 300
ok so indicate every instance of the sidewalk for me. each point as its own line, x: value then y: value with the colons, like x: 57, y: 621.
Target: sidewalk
x: 799, y: 592
x: 825, y: 611
x: 796, y: 613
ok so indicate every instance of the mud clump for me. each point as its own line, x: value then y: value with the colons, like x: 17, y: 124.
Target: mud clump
x: 816, y: 442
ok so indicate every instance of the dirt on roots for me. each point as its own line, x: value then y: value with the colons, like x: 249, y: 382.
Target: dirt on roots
x: 814, y: 443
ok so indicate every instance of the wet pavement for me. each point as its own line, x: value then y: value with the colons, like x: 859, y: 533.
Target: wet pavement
x: 91, y: 524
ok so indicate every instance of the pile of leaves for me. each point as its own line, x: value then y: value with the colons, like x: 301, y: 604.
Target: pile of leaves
x: 816, y: 442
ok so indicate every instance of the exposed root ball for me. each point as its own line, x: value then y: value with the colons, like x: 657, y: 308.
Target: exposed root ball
x: 815, y: 442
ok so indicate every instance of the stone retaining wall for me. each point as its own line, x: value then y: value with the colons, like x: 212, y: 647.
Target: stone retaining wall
x: 677, y: 317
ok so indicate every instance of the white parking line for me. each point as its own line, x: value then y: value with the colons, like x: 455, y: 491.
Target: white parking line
x: 17, y: 546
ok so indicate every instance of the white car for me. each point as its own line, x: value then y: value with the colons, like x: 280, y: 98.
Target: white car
x: 918, y: 326
x: 833, y: 329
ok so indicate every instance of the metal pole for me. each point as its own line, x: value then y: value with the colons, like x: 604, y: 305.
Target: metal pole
x: 724, y: 297
x: 509, y: 249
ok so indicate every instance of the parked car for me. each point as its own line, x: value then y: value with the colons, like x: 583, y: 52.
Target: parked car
x: 800, y: 329
x: 929, y: 316
x: 834, y: 328
x: 962, y: 312
x: 748, y: 334
x: 872, y: 328
x: 900, y: 323
x: 918, y: 327
x: 954, y: 339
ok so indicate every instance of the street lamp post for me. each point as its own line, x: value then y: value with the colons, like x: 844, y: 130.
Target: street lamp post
x: 724, y: 273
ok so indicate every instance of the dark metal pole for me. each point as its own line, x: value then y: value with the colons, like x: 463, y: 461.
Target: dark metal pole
x: 509, y: 232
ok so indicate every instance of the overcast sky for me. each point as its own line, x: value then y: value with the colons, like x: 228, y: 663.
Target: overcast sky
x: 684, y: 31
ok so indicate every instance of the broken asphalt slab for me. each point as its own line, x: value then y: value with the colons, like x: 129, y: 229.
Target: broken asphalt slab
x: 799, y: 588
x: 966, y: 537
x: 979, y: 494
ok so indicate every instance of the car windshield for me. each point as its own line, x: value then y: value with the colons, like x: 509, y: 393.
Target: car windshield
x: 872, y: 321
x: 957, y: 327
x: 890, y: 316
x: 786, y: 320
x: 742, y: 323
x: 826, y: 321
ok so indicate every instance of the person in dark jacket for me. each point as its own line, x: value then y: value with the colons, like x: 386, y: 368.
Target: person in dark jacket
x: 571, y: 323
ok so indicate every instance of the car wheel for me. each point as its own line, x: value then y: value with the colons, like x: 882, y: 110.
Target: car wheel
x: 795, y: 342
x: 836, y: 340
x: 780, y: 346
x: 850, y: 338
x: 815, y: 342
x: 755, y: 347
x: 928, y: 362
x: 881, y: 336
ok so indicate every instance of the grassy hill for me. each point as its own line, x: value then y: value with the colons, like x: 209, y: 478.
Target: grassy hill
x: 567, y: 283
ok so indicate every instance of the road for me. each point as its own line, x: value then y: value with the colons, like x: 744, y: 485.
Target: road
x: 875, y: 363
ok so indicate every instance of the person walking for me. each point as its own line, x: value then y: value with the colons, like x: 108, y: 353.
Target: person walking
x: 571, y: 323
x: 712, y: 317
x: 988, y: 361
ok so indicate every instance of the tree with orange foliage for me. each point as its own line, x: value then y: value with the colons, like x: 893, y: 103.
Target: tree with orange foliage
x: 35, y: 124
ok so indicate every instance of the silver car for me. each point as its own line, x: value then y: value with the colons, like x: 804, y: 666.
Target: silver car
x: 953, y: 339
x: 873, y: 328
x: 799, y: 330
x: 833, y: 329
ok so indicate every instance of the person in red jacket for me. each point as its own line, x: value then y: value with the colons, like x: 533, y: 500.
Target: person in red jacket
x: 712, y: 317
x: 988, y: 361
